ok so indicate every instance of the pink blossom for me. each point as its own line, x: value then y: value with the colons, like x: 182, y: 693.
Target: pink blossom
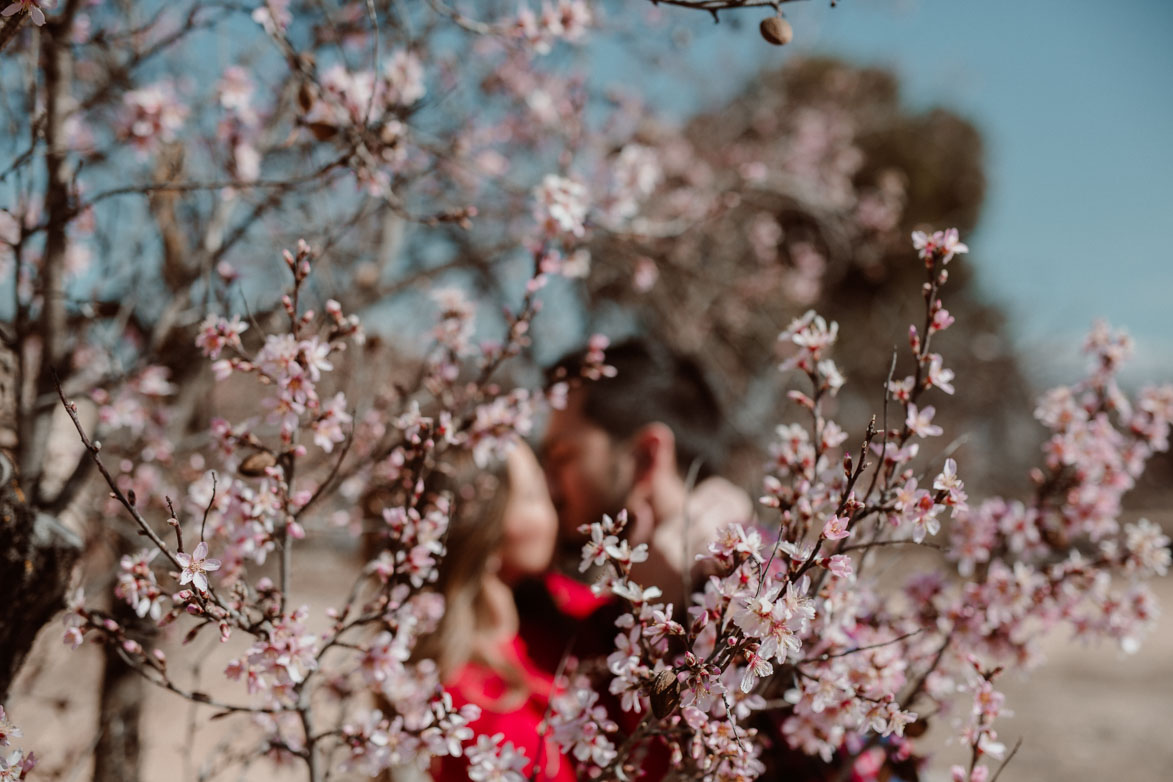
x: 196, y: 566
x: 328, y: 426
x: 1147, y: 548
x: 811, y: 332
x: 920, y: 422
x: 8, y: 731
x: 960, y: 774
x: 152, y: 113
x: 949, y: 483
x: 273, y: 16
x: 939, y: 376
x: 841, y: 566
x: 491, y: 760
x: 216, y: 333
x: 756, y: 667
x: 941, y: 320
x: 403, y: 78
x: 942, y: 244
x: 836, y: 528
x: 32, y: 6
x: 561, y: 206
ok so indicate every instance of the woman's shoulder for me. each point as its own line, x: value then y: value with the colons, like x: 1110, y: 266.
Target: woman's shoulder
x: 503, y: 686
x: 573, y: 598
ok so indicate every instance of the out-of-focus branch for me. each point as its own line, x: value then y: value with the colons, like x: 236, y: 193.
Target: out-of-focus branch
x: 57, y: 60
x: 9, y: 28
x: 716, y: 6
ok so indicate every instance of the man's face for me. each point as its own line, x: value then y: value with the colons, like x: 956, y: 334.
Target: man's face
x: 589, y: 475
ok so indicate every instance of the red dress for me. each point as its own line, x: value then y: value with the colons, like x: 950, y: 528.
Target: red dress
x: 560, y: 615
x: 503, y: 710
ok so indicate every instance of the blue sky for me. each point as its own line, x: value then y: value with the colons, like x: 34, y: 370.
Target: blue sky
x: 1075, y: 101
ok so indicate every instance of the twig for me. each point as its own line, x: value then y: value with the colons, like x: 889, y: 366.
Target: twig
x: 118, y: 495
x: 207, y: 510
x: 324, y: 485
x: 1009, y: 757
x: 193, y: 696
x: 94, y: 450
x: 825, y: 657
x: 876, y: 543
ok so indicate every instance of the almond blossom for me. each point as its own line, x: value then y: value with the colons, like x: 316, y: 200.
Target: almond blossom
x: 196, y: 566
x: 920, y: 422
x: 941, y: 244
x: 561, y: 206
x: 33, y: 7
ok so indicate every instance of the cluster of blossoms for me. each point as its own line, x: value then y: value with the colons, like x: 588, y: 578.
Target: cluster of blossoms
x: 788, y: 639
x: 277, y: 663
x: 254, y: 508
x: 566, y: 20
x: 979, y: 733
x: 350, y: 97
x: 789, y: 626
x: 292, y: 363
x: 561, y: 206
x: 15, y: 764
x: 137, y: 584
x: 795, y: 625
x: 418, y: 540
x: 151, y: 115
x: 240, y: 128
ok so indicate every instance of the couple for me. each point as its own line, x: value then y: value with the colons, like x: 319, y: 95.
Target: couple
x: 648, y: 440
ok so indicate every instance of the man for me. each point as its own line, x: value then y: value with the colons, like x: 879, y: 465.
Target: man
x: 650, y: 439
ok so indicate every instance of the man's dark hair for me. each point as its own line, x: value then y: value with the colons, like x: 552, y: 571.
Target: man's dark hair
x: 653, y: 383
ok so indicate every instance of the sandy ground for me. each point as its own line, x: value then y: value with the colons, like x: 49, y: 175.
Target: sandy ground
x: 1089, y: 715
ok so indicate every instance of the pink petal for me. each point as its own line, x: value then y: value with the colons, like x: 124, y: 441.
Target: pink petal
x: 201, y: 550
x: 37, y: 15
x: 11, y: 10
x: 183, y: 559
x: 200, y: 581
x: 185, y: 577
x: 211, y: 564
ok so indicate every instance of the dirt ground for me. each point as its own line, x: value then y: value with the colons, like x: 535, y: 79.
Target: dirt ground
x: 1089, y: 715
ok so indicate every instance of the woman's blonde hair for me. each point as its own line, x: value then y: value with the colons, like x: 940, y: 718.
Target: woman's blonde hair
x: 476, y: 530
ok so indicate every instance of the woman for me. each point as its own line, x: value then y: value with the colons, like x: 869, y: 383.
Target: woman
x: 502, y: 532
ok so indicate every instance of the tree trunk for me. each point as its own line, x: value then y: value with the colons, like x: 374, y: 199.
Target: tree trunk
x: 36, y: 558
x: 116, y: 756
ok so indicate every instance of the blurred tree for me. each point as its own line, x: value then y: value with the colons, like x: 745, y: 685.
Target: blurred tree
x: 819, y: 174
